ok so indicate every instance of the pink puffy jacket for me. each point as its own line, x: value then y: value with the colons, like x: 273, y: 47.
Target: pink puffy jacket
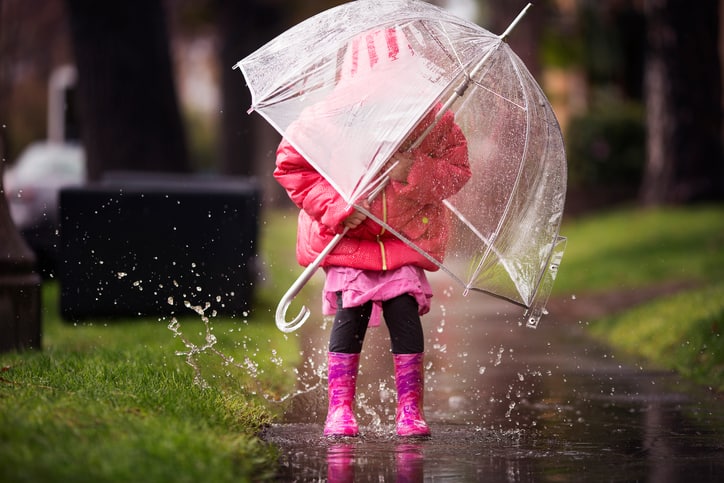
x: 414, y: 208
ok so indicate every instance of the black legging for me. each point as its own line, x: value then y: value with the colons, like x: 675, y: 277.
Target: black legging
x: 402, y: 319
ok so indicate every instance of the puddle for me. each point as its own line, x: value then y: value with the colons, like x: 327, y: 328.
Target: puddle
x: 508, y: 403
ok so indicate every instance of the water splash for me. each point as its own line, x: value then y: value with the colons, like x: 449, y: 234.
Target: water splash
x: 448, y: 364
x: 211, y: 359
x: 248, y: 366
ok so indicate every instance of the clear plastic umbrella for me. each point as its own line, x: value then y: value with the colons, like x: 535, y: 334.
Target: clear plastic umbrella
x: 323, y: 85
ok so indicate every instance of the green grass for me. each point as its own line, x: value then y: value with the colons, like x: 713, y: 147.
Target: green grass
x: 631, y: 249
x: 683, y: 333
x: 117, y: 401
x: 123, y: 415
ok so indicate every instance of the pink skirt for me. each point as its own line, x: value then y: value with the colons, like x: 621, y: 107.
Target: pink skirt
x: 361, y: 286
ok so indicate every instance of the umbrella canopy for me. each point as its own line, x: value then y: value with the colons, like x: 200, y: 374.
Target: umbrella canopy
x: 347, y: 86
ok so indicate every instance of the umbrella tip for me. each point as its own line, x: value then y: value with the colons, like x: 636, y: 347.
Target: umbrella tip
x: 515, y: 22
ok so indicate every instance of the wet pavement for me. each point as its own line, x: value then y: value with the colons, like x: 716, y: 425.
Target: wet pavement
x: 507, y: 403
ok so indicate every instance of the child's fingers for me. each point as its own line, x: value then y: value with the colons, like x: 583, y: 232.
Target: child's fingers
x: 354, y: 220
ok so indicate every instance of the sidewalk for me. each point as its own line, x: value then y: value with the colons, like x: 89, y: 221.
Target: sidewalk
x: 508, y: 403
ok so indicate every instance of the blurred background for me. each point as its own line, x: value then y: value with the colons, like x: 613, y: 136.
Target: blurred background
x: 89, y: 87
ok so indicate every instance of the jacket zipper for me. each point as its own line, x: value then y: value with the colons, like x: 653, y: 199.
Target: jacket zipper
x: 379, y: 241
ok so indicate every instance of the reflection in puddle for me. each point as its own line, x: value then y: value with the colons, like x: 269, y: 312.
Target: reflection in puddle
x: 342, y: 463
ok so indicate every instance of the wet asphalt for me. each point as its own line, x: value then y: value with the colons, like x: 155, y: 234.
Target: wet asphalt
x: 506, y: 403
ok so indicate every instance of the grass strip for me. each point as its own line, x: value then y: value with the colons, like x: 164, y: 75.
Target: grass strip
x: 115, y: 400
x: 123, y: 415
x: 635, y: 248
x: 683, y: 333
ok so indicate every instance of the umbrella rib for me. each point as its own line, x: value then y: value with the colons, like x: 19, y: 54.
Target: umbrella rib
x: 525, y: 109
x: 498, y: 296
x: 482, y: 238
x: 450, y: 46
x: 402, y: 237
x: 437, y: 263
x: 509, y: 203
x: 554, y: 241
x: 437, y: 40
x: 501, y: 96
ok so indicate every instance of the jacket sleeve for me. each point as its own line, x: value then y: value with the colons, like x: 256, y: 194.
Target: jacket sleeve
x: 308, y: 189
x: 441, y: 165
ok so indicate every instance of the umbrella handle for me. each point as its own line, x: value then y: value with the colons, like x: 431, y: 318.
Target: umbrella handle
x: 286, y: 300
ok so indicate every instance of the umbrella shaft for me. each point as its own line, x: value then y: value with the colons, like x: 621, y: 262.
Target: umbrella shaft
x: 457, y: 94
x: 515, y: 22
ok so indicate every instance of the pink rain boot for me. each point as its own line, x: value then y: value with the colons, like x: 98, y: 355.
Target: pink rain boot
x: 342, y: 376
x: 409, y: 380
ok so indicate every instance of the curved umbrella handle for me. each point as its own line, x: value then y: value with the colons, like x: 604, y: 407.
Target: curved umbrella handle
x: 296, y: 287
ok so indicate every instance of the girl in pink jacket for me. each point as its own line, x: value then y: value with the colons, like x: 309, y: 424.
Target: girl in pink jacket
x: 371, y: 270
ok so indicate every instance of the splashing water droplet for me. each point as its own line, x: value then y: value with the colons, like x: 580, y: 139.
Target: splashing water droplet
x: 197, y: 357
x: 174, y: 325
x: 499, y: 357
x: 511, y: 406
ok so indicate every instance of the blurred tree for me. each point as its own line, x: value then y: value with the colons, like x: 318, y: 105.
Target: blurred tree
x: 126, y: 94
x: 5, y: 89
x: 243, y: 27
x: 526, y: 38
x: 684, y: 104
x: 248, y: 142
x: 19, y: 284
x: 612, y: 36
x: 33, y: 42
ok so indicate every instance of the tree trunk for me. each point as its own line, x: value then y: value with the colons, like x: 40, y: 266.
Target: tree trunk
x: 129, y: 111
x: 19, y: 284
x: 683, y: 101
x: 243, y: 27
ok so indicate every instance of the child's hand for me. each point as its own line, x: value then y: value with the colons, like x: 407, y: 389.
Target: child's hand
x: 356, y: 218
x: 402, y: 169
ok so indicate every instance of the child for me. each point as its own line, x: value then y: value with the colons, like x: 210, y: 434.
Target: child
x: 371, y: 270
